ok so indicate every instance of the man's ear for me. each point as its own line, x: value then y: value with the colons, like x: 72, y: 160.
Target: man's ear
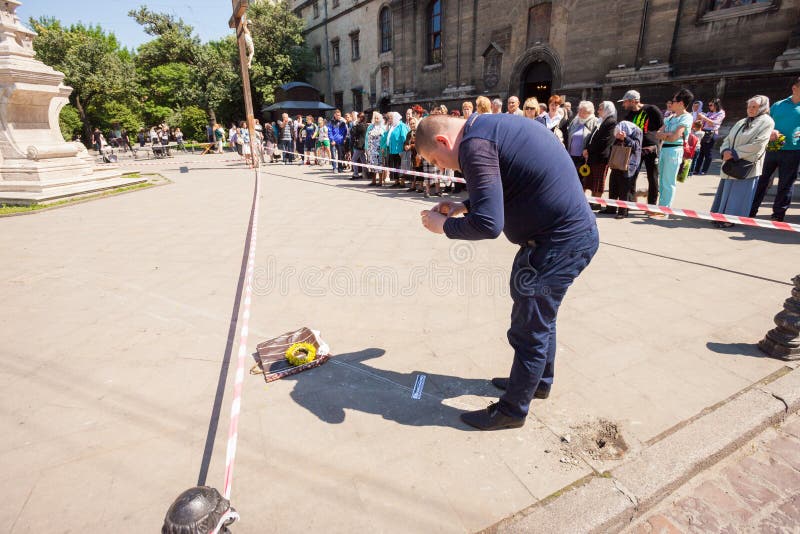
x: 443, y: 141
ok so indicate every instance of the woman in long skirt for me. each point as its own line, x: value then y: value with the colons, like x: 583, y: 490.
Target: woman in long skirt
x: 373, y: 146
x: 747, y: 141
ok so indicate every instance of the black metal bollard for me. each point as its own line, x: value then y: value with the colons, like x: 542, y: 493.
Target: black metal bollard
x: 784, y: 341
x: 199, y: 510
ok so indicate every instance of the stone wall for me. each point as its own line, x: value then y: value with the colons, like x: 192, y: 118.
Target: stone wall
x: 595, y: 49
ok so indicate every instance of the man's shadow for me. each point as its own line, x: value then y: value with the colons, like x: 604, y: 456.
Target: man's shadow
x: 347, y: 383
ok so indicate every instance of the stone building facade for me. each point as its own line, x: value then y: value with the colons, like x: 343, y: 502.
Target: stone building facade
x: 447, y: 51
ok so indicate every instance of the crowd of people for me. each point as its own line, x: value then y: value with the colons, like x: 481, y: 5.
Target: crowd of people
x: 608, y: 146
x: 160, y: 138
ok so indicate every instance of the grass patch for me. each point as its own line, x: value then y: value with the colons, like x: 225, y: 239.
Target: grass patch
x: 6, y: 210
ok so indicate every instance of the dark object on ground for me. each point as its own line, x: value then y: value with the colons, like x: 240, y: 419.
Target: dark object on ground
x: 491, y: 418
x: 199, y: 510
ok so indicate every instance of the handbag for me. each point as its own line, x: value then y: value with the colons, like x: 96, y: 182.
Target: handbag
x: 737, y: 168
x: 620, y: 157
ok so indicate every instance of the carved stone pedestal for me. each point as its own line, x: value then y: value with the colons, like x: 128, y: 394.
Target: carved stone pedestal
x: 784, y: 341
x: 36, y: 164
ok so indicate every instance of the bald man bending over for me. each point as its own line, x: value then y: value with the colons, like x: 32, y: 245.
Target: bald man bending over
x: 521, y: 182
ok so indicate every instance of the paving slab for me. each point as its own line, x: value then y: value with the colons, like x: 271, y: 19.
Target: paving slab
x: 117, y: 313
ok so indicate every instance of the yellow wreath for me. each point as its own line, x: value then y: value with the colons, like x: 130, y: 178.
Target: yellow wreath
x: 301, y: 353
x: 584, y: 170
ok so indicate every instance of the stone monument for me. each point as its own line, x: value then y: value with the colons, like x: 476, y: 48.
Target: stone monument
x: 36, y: 164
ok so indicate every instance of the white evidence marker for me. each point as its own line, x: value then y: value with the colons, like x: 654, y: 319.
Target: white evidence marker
x: 416, y: 393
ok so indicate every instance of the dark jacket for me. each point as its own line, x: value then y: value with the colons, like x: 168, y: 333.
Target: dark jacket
x: 599, y: 143
x: 359, y: 135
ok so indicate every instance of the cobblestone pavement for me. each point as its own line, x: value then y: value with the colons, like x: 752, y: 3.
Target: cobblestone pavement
x: 756, y: 489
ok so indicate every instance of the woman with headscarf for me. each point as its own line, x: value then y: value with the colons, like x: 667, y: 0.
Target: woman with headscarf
x: 392, y: 143
x: 747, y: 141
x: 373, y: 146
x: 579, y: 131
x: 619, y: 188
x: 598, y: 149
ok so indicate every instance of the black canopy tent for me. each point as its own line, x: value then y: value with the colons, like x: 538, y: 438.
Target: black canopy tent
x: 296, y: 98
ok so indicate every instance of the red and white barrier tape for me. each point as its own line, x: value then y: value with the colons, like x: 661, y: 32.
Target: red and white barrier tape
x: 690, y: 214
x: 238, y: 382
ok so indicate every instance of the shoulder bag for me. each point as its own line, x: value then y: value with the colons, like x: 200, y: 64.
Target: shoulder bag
x: 737, y: 168
x: 620, y: 157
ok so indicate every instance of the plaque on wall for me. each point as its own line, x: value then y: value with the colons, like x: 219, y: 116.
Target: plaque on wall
x: 492, y: 62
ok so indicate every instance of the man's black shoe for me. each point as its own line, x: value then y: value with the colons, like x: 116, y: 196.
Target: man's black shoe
x: 502, y: 383
x: 491, y: 418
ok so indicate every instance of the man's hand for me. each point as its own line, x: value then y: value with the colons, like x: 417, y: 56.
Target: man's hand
x: 450, y: 209
x: 620, y: 136
x: 774, y: 135
x: 433, y: 221
x: 585, y: 154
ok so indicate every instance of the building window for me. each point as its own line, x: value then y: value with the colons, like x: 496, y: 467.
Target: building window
x: 335, y: 3
x: 358, y: 102
x: 355, y: 47
x: 725, y: 4
x: 435, y: 32
x: 335, y: 51
x: 386, y: 29
x: 711, y: 10
x: 315, y: 5
x: 318, y: 56
x: 338, y: 100
x: 539, y: 24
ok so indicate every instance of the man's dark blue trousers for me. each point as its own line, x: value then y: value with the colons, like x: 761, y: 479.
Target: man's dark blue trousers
x: 541, y: 274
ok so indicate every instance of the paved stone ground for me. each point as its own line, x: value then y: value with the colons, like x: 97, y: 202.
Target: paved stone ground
x: 116, y: 313
x: 756, y: 489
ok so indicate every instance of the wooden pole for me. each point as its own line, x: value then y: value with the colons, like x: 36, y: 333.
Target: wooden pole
x: 238, y: 21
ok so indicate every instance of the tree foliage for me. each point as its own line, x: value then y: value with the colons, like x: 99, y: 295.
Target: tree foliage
x: 280, y: 53
x: 70, y: 122
x: 174, y: 77
x: 93, y: 63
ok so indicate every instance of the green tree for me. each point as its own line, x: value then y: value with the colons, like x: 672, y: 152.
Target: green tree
x: 219, y: 82
x: 174, y: 41
x: 70, y: 122
x: 280, y: 52
x: 93, y: 63
x: 179, y: 71
x: 192, y: 121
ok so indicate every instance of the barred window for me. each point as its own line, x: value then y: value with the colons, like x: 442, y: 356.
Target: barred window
x: 335, y: 57
x: 355, y: 46
x: 435, y: 32
x: 386, y: 29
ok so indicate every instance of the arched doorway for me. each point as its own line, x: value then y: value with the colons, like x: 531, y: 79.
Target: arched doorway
x: 536, y: 81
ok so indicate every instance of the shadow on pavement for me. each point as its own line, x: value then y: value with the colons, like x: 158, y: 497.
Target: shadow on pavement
x: 736, y: 349
x: 743, y: 233
x: 699, y: 264
x: 347, y: 383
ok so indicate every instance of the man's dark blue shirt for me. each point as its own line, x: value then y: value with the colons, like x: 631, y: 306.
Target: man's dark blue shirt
x: 520, y: 181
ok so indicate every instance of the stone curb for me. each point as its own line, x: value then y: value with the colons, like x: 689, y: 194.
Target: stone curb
x: 610, y: 502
